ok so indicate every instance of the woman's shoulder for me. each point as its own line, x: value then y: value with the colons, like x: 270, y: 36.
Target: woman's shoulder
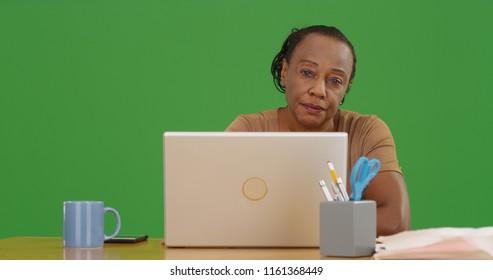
x: 351, y: 115
x: 370, y: 136
x: 267, y: 115
x: 264, y: 121
x: 349, y: 120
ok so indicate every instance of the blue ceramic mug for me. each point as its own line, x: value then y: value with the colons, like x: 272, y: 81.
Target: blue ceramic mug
x: 83, y: 224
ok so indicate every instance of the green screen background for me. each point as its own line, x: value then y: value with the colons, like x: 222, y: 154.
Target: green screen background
x: 88, y: 87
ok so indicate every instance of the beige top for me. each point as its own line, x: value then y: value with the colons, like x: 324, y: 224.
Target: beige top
x: 368, y: 135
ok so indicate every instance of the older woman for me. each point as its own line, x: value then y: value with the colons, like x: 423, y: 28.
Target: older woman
x: 315, y: 69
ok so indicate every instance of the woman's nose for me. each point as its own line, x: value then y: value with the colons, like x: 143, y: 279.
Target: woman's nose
x: 318, y: 88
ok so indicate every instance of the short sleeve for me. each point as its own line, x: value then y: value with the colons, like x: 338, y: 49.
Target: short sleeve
x: 376, y: 141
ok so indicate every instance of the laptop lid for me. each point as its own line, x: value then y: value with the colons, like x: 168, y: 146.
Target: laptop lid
x: 247, y: 189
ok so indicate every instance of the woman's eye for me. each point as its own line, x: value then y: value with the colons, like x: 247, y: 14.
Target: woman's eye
x: 335, y: 81
x: 306, y: 72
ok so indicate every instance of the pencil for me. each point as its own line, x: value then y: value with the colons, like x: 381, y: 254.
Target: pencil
x: 332, y: 171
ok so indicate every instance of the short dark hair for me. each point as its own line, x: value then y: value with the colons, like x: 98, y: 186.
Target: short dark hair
x: 296, y: 36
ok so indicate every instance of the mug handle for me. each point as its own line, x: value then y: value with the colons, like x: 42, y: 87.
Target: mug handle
x: 118, y: 222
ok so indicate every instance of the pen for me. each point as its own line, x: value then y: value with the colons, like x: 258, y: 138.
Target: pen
x: 325, y: 190
x: 343, y: 189
x: 338, y: 195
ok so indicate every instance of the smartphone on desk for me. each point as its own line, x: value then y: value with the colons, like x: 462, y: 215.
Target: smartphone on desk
x: 127, y: 238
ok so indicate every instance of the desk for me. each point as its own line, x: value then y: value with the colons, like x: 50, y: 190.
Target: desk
x: 51, y: 248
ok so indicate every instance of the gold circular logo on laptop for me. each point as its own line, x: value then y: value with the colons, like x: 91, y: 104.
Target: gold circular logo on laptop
x: 255, y: 188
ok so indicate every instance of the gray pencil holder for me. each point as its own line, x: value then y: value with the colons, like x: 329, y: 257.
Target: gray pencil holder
x: 348, y: 228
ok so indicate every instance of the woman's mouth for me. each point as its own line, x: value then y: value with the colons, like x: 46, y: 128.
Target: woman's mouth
x: 313, y: 108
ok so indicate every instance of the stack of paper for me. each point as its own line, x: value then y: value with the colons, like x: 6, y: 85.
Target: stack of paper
x: 438, y: 244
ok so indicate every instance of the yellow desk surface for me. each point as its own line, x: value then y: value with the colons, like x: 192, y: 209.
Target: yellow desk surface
x: 51, y: 248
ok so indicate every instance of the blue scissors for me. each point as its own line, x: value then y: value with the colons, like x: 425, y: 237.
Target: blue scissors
x: 363, y: 171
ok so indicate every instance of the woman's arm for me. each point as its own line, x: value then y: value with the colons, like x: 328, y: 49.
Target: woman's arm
x: 389, y: 190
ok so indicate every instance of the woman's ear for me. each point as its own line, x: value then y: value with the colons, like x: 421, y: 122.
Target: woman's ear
x: 284, y: 71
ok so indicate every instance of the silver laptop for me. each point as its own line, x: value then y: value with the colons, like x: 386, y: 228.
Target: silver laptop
x: 255, y: 189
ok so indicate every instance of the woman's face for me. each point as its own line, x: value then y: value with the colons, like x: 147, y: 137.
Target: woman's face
x: 316, y: 80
